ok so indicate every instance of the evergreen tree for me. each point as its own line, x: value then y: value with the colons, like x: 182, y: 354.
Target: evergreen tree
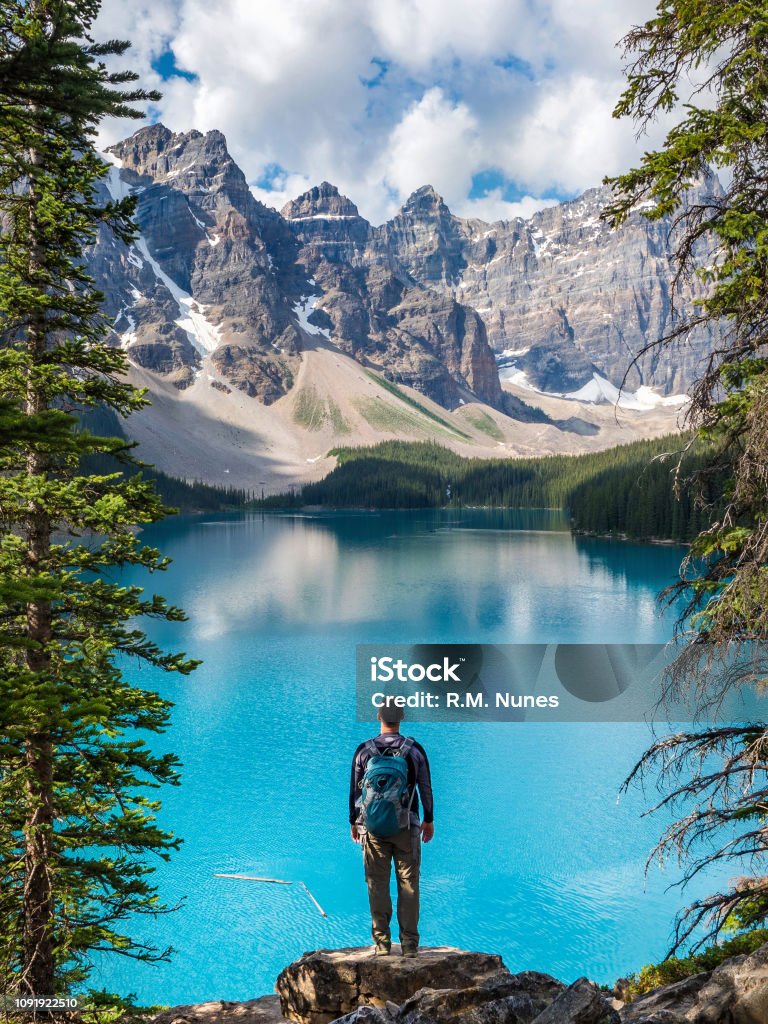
x: 75, y: 820
x: 625, y: 490
x: 723, y: 46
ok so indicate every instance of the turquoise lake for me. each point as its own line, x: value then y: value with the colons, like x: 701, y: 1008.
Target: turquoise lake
x: 534, y: 855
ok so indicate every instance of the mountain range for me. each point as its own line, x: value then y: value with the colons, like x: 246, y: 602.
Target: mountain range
x: 266, y: 338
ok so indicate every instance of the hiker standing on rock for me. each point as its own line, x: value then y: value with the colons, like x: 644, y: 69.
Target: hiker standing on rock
x: 384, y: 816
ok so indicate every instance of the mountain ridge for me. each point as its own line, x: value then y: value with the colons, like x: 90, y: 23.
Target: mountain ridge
x: 222, y: 296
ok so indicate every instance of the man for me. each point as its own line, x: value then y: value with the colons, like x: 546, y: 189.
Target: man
x: 404, y: 847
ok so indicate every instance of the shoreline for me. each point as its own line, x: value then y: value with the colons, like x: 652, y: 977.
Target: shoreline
x: 367, y: 510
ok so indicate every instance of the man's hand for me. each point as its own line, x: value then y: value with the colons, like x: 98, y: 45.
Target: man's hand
x: 427, y: 830
x: 355, y: 834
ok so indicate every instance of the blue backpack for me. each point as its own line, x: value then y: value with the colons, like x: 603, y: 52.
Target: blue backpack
x: 385, y: 808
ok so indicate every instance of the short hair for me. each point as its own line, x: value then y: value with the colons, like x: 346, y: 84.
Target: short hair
x: 391, y: 715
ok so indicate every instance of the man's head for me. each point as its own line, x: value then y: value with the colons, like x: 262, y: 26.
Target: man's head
x: 390, y: 718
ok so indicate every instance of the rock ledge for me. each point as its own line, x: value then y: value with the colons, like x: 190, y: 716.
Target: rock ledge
x: 442, y: 985
x: 445, y: 985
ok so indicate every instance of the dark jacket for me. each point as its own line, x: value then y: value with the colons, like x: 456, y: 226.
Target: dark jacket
x: 418, y: 775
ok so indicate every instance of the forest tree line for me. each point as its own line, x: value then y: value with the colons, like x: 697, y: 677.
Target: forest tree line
x: 628, y: 490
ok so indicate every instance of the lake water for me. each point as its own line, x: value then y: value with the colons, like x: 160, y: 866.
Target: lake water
x: 533, y: 857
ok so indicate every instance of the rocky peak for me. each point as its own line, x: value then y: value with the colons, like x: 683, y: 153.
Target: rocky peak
x: 427, y: 238
x: 425, y: 202
x: 329, y: 224
x: 374, y: 309
x: 186, y: 160
x: 324, y: 201
x: 212, y: 275
x: 144, y: 145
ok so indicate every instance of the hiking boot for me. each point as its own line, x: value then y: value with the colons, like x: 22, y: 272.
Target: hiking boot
x: 409, y: 952
x: 379, y: 950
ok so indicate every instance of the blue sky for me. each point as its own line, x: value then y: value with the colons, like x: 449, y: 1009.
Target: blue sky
x: 501, y: 105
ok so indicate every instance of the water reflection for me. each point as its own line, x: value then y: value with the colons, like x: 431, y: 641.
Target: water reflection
x: 461, y: 576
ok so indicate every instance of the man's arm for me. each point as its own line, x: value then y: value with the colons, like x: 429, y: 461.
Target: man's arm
x: 424, y: 782
x: 354, y: 786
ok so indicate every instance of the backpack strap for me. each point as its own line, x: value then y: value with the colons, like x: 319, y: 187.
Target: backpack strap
x: 403, y: 751
x: 406, y: 746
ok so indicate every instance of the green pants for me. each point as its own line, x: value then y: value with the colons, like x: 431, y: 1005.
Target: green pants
x: 378, y: 854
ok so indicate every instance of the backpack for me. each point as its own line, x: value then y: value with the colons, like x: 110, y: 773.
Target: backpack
x: 384, y: 805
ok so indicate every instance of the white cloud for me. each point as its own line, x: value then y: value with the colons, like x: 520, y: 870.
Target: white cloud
x: 493, y: 206
x: 435, y: 140
x: 569, y: 137
x: 148, y: 25
x: 284, y: 190
x: 383, y: 96
x: 417, y: 33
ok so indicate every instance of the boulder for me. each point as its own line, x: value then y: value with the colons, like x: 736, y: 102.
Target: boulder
x: 326, y: 984
x: 663, y: 1017
x: 501, y: 998
x: 680, y: 997
x: 580, y: 1003
x: 366, y: 1014
x: 736, y: 992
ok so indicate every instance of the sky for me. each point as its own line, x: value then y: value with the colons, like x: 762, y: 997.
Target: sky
x: 503, y: 106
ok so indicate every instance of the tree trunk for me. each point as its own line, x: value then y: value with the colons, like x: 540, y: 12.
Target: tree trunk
x: 38, y: 974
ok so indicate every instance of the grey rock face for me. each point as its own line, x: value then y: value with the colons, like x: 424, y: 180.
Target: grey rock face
x: 502, y: 998
x: 219, y: 284
x: 736, y: 992
x: 379, y: 313
x: 203, y: 231
x: 427, y: 239
x: 581, y: 1003
x: 563, y: 292
x: 554, y: 363
x: 681, y: 998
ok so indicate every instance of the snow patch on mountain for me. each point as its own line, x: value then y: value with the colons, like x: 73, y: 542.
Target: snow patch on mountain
x: 598, y: 391
x: 601, y: 390
x: 127, y: 338
x: 328, y: 216
x: 213, y: 240
x: 201, y: 332
x: 117, y: 188
x: 303, y: 310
